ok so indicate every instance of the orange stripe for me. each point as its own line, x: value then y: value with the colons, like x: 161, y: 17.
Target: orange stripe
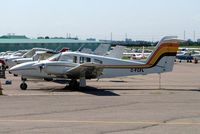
x: 163, y: 48
x: 168, y: 45
x: 159, y: 53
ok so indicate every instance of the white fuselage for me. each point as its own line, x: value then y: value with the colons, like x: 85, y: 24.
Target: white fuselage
x: 52, y: 68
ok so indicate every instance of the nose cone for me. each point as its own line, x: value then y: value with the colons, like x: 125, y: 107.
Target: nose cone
x: 21, y: 68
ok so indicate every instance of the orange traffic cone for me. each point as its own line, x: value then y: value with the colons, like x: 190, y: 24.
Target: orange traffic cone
x: 1, y: 93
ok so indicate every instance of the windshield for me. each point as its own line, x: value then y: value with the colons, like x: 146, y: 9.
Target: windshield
x: 67, y: 58
x: 55, y: 57
x: 29, y: 54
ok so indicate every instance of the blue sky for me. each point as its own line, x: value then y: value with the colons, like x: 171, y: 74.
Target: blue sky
x: 140, y: 19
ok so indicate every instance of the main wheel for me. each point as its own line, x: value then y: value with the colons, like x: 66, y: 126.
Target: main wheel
x: 73, y: 84
x: 23, y: 86
x: 48, y: 79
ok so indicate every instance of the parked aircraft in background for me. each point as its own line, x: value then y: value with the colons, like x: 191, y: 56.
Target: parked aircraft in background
x: 39, y: 55
x: 137, y: 55
x: 11, y: 55
x: 196, y: 55
x: 116, y: 52
x: 184, y: 55
x: 29, y: 56
x: 80, y: 66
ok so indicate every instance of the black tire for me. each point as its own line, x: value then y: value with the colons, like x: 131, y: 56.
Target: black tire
x: 23, y: 86
x: 48, y: 79
x: 73, y: 84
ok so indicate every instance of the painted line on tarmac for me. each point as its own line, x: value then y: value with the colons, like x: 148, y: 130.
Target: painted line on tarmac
x: 101, y: 122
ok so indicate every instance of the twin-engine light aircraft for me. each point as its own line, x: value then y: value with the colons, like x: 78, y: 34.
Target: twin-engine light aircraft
x: 79, y: 66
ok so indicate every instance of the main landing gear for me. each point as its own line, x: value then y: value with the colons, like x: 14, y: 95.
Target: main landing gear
x: 75, y: 84
x: 23, y: 85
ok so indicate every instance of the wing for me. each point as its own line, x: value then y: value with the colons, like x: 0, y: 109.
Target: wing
x: 87, y: 70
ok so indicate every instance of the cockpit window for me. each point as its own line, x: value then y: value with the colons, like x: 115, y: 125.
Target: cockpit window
x: 67, y: 58
x: 29, y: 54
x: 55, y: 57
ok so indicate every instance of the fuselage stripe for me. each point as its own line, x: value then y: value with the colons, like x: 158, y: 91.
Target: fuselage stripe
x: 166, y: 49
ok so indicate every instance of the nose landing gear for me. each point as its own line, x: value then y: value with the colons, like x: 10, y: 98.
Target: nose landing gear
x: 23, y: 85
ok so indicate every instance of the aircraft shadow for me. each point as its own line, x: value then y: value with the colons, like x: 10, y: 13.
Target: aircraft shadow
x: 61, y: 81
x: 87, y: 90
x: 90, y: 90
x: 164, y: 89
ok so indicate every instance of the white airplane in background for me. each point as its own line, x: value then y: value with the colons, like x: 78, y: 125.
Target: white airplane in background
x: 115, y: 52
x: 79, y: 66
x: 11, y: 55
x: 39, y: 55
x: 102, y: 49
x: 28, y: 56
x: 137, y: 55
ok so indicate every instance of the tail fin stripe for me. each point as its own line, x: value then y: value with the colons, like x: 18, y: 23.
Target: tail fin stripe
x: 160, y: 51
x: 165, y: 49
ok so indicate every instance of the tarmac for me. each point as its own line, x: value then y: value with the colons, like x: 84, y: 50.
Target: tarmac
x: 150, y: 104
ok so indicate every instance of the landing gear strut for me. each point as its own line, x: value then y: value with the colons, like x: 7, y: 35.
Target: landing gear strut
x: 82, y: 82
x: 74, y: 84
x: 23, y: 85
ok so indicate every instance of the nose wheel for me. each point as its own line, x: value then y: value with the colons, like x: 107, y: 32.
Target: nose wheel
x: 23, y: 86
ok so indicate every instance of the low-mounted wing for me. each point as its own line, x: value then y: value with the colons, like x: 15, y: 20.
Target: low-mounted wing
x: 87, y: 70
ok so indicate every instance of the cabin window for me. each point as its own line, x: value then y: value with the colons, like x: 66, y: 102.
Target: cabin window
x: 88, y: 59
x: 75, y: 59
x: 82, y: 59
x: 98, y: 61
